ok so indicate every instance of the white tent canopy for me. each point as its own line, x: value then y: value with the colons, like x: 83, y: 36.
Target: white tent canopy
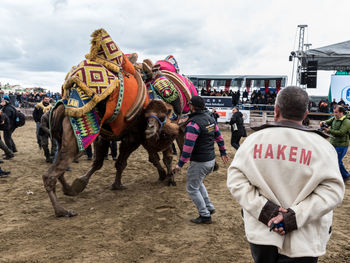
x: 332, y: 57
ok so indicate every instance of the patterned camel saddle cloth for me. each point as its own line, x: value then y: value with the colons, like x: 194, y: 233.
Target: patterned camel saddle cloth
x: 165, y: 83
x: 86, y: 85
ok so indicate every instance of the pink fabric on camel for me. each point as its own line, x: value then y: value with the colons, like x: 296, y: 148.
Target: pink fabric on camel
x: 165, y: 65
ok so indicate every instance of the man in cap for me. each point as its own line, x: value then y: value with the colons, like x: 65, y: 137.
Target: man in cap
x: 200, y: 134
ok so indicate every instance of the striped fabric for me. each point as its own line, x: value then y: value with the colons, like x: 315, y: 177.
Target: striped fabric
x: 192, y: 133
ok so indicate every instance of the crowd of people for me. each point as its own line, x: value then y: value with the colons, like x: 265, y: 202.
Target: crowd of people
x: 327, y: 107
x: 28, y: 99
x: 257, y: 97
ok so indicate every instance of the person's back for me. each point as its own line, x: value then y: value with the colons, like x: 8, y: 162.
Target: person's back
x: 286, y: 173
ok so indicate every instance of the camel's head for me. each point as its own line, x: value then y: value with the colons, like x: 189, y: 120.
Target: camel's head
x: 158, y: 115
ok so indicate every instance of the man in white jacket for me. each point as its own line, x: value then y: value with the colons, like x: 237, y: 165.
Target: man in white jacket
x: 286, y: 173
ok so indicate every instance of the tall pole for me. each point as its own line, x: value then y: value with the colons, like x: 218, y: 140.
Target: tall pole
x: 300, y: 52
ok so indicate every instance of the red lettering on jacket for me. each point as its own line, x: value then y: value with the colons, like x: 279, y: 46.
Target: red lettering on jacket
x: 280, y: 151
x: 305, y: 158
x: 293, y: 153
x: 269, y: 152
x: 257, y: 150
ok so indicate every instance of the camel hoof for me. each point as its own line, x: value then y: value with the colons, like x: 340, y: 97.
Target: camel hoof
x: 118, y: 187
x: 171, y: 183
x: 66, y: 213
x: 79, y: 185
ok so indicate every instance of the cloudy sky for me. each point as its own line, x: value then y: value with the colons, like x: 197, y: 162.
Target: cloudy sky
x: 40, y: 40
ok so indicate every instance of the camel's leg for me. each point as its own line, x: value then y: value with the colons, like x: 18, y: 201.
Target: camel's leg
x: 153, y: 157
x: 167, y: 160
x: 100, y: 149
x: 127, y: 146
x: 68, y: 151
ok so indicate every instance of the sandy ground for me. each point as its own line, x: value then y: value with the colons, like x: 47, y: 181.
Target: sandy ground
x: 147, y: 222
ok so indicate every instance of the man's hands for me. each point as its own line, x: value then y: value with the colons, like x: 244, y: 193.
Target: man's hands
x: 278, y: 219
x: 225, y: 159
x: 177, y: 169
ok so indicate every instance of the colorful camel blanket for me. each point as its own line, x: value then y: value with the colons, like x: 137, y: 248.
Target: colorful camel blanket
x: 86, y: 128
x: 89, y: 81
x: 165, y: 89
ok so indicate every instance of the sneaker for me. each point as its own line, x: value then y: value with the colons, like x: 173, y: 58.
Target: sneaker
x: 89, y: 158
x: 2, y: 172
x: 8, y: 157
x: 202, y: 220
x: 212, y: 211
x: 3, y: 175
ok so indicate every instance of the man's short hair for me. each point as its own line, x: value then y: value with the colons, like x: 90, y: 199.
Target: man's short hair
x: 293, y: 102
x: 340, y: 108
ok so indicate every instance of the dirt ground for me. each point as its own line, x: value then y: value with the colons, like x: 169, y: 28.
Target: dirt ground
x: 147, y: 222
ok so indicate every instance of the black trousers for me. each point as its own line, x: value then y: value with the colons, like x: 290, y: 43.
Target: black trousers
x: 9, y: 141
x: 269, y: 254
x: 235, y: 138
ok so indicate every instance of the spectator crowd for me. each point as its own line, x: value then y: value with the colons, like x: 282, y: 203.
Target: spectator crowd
x: 28, y: 99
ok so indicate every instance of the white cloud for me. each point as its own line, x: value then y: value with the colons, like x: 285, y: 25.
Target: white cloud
x: 41, y: 40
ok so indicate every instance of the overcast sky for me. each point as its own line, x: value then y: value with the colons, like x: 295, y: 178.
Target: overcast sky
x: 40, y: 40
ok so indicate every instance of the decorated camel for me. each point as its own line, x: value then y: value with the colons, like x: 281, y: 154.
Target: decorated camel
x: 163, y: 84
x: 104, y: 97
x: 95, y: 108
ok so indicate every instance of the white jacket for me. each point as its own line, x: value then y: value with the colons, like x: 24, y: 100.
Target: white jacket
x: 293, y: 169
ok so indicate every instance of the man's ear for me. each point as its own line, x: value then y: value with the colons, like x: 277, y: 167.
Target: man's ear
x: 276, y: 113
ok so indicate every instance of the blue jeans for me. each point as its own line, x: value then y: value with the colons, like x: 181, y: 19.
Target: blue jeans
x: 341, y: 151
x: 196, y: 173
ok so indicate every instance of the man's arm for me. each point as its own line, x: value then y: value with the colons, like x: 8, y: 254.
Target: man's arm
x: 191, y: 134
x: 219, y: 140
x: 344, y: 128
x: 327, y: 195
x: 249, y: 197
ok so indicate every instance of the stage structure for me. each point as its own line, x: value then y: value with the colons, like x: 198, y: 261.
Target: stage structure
x: 335, y: 57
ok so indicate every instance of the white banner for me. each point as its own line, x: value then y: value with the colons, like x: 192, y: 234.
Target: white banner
x: 340, y: 88
x: 226, y: 113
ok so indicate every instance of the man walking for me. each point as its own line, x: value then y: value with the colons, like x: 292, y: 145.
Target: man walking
x: 339, y: 127
x: 44, y: 134
x: 40, y: 108
x: 286, y: 178
x: 201, y: 132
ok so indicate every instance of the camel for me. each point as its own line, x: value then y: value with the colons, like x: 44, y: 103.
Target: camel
x: 158, y: 135
x: 134, y: 119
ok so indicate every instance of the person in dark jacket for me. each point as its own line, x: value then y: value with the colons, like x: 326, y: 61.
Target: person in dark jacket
x: 44, y: 133
x: 215, y: 115
x: 5, y: 126
x: 10, y: 112
x: 200, y: 134
x: 40, y: 108
x: 237, y: 127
